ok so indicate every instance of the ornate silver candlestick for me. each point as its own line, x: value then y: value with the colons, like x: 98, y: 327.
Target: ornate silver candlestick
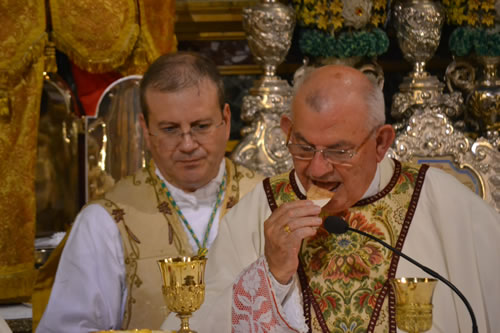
x: 269, y: 27
x: 418, y: 24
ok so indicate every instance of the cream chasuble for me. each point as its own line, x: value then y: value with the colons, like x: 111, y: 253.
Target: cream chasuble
x: 141, y: 198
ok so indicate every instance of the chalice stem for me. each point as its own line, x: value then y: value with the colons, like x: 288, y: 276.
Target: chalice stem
x: 185, y: 323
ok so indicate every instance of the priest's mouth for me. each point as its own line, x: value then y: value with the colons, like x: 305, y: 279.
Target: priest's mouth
x: 330, y: 186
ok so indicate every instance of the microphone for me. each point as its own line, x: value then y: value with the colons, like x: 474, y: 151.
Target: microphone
x: 337, y: 225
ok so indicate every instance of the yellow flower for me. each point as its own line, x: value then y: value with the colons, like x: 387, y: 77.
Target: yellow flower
x: 323, y: 22
x: 488, y: 20
x: 379, y: 4
x: 337, y: 22
x: 376, y: 19
x: 336, y: 7
x: 322, y: 7
x: 308, y: 17
x: 474, y: 4
x: 461, y: 19
x: 456, y: 12
x: 487, y: 5
x: 472, y: 19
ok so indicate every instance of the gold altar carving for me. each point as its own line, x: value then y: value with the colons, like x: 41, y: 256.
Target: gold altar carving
x: 22, y: 42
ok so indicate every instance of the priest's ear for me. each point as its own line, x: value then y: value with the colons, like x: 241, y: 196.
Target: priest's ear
x: 384, y: 139
x: 286, y: 124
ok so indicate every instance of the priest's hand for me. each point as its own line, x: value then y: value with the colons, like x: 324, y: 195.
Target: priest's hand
x: 284, y: 231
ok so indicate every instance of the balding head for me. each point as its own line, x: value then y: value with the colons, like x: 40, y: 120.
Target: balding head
x: 336, y: 136
x: 327, y: 87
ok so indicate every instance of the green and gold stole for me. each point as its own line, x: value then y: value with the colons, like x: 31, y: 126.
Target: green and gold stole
x: 345, y: 278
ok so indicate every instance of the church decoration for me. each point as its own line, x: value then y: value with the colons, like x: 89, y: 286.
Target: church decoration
x: 341, y: 28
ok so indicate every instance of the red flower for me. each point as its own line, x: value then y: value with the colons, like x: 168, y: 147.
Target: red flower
x: 317, y: 261
x: 358, y: 221
x: 370, y: 298
x: 283, y: 187
x: 406, y: 176
x: 323, y: 301
x: 279, y: 186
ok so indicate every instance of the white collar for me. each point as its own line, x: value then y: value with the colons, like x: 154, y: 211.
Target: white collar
x: 206, y: 194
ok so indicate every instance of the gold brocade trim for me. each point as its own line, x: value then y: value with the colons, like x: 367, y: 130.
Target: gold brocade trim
x: 16, y: 283
x: 160, y: 15
x: 91, y: 32
x: 162, y: 198
x: 4, y: 106
x: 22, y: 40
x: 139, y: 60
x: 18, y: 140
x: 50, y: 58
x: 131, y: 255
x: 12, y: 71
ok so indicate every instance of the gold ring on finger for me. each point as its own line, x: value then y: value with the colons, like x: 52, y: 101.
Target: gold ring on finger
x: 287, y: 228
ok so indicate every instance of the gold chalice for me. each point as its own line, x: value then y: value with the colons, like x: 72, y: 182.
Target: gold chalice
x: 414, y: 303
x: 183, y: 286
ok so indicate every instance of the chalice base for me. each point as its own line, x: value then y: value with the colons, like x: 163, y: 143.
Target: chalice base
x: 414, y: 318
x: 185, y: 323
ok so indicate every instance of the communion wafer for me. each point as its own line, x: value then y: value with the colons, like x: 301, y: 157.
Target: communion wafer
x: 318, y: 193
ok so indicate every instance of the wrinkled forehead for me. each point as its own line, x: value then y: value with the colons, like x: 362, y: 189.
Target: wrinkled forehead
x: 327, y: 87
x: 330, y: 103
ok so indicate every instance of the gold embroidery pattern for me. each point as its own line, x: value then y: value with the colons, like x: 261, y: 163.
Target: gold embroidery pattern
x: 113, y: 34
x: 231, y: 202
x: 156, y: 35
x: 98, y: 36
x: 131, y: 253
x: 165, y: 208
x: 18, y: 141
x: 22, y: 38
x: 118, y: 214
x: 22, y: 41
